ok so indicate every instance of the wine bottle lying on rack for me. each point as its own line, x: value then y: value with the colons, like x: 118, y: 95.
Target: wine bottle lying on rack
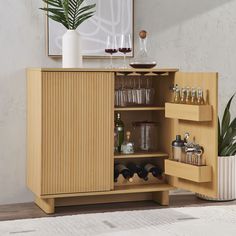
x: 139, y: 170
x: 121, y: 169
x: 156, y: 171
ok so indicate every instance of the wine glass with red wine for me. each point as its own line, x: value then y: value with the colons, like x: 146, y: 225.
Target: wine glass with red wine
x: 125, y: 46
x: 111, y: 48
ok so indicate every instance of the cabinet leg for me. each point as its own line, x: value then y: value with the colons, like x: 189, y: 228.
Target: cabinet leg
x: 161, y: 197
x: 47, y: 205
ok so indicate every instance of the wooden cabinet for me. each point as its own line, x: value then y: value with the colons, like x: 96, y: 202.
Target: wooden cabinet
x: 70, y: 136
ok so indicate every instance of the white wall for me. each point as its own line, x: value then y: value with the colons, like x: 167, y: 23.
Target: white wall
x: 193, y: 36
x: 189, y: 34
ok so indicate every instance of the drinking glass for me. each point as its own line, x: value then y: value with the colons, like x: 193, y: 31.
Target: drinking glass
x: 122, y: 93
x: 134, y: 92
x: 117, y: 88
x: 125, y: 46
x: 150, y: 92
x: 141, y: 92
x: 111, y: 48
x: 130, y: 88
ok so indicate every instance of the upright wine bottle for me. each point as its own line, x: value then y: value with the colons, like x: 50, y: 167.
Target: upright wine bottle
x: 116, y: 174
x: 139, y: 170
x: 156, y: 171
x: 125, y: 172
x: 119, y: 132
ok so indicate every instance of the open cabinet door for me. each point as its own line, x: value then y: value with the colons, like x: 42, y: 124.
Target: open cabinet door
x: 201, y: 122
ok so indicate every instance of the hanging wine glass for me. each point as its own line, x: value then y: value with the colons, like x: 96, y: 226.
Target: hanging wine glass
x: 141, y: 97
x: 150, y: 92
x: 125, y: 46
x: 111, y: 48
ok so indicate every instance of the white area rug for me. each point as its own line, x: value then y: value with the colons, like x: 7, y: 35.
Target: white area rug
x: 220, y: 220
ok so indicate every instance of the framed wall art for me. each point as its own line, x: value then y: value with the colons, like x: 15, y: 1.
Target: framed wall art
x: 114, y: 17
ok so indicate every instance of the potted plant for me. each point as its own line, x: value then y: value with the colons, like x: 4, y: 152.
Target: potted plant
x: 226, y: 157
x: 71, y: 14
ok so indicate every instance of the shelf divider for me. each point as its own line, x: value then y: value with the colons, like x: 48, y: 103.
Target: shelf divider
x: 123, y: 189
x: 140, y: 155
x: 142, y: 188
x: 150, y: 108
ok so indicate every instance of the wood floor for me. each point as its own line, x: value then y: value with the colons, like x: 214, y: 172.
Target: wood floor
x: 30, y: 210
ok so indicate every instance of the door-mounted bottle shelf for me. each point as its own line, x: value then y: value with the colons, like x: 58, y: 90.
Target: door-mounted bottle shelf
x: 199, y: 174
x: 188, y: 112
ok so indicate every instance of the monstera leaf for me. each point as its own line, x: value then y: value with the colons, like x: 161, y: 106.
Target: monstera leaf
x: 227, y: 133
x: 70, y: 13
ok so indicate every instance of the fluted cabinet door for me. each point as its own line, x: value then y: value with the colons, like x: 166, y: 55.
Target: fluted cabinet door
x: 77, y: 132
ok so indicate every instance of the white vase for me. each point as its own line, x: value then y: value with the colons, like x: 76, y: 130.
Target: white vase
x: 71, y: 50
x: 226, y: 180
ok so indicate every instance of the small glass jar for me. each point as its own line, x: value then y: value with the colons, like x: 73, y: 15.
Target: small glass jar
x: 145, y: 136
x: 127, y: 146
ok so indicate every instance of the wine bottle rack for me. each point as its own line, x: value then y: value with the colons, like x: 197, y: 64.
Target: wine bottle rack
x: 138, y: 181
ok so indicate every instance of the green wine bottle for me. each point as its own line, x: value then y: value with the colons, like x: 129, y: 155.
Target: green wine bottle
x: 119, y: 132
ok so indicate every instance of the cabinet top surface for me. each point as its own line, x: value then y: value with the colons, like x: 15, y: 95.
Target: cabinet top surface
x: 105, y: 70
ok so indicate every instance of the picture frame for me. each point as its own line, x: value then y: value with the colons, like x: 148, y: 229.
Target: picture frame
x: 120, y: 19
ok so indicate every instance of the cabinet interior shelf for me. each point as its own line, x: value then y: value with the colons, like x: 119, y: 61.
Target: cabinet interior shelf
x: 141, y: 155
x: 151, y: 108
x: 123, y: 189
x: 142, y: 188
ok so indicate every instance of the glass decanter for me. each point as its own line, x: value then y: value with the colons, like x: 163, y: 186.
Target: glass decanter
x: 143, y: 60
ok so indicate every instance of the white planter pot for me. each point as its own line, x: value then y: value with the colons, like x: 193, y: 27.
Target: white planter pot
x: 226, y: 180
x: 71, y: 50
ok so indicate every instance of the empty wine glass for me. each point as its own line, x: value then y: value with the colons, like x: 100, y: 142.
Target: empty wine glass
x: 141, y: 91
x: 125, y: 46
x: 134, y: 92
x: 122, y: 94
x: 111, y: 48
x: 117, y: 88
x: 150, y: 92
x: 130, y: 88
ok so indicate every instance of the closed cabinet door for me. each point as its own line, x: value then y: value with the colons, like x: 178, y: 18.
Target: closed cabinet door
x: 77, y: 132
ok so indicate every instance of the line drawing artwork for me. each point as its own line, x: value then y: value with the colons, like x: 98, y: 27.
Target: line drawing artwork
x: 112, y: 17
